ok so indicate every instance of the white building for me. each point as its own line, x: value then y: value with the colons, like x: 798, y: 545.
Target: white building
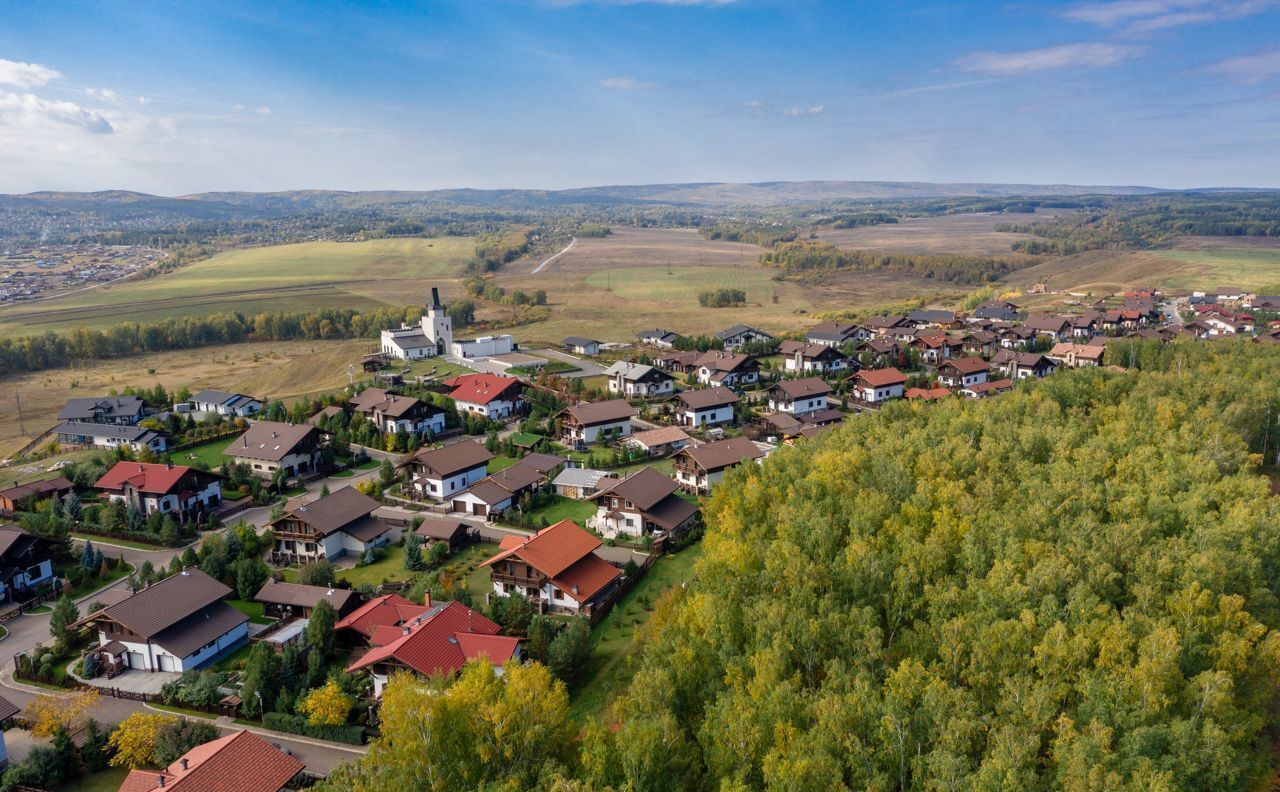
x: 431, y: 337
x: 111, y: 436
x: 223, y: 403
x: 440, y: 473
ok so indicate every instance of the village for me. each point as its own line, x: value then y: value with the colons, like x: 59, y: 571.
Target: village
x: 29, y: 273
x: 224, y: 557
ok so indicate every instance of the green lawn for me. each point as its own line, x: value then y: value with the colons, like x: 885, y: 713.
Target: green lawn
x: 184, y: 711
x: 681, y: 285
x: 111, y: 540
x: 466, y: 565
x: 391, y: 567
x: 368, y: 464
x: 611, y: 668
x: 343, y: 474
x: 87, y: 586
x: 251, y: 609
x: 210, y: 453
x: 501, y: 463
x: 108, y: 780
x: 525, y: 439
x: 1248, y: 267
x: 232, y: 661
x: 562, y: 508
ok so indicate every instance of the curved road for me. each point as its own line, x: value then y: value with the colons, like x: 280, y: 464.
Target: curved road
x: 572, y: 242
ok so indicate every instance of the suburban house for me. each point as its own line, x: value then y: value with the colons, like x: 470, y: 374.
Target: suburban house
x: 1020, y: 365
x: 1016, y: 337
x: 111, y: 436
x: 339, y: 524
x: 392, y: 413
x: 740, y: 335
x: 661, y: 441
x: 1055, y: 328
x: 699, y: 468
x: 438, y: 641
x: 803, y: 358
x: 103, y: 409
x: 638, y: 381
x: 184, y: 492
x: 874, y: 386
x: 581, y: 346
x: 727, y: 369
x: 799, y: 396
x: 961, y: 372
x: 494, y: 494
x: 7, y: 710
x: 1077, y: 355
x: 285, y: 601
x: 231, y: 405
x: 664, y: 339
x: 880, y: 351
x: 26, y: 561
x: 358, y: 627
x: 1086, y: 325
x: 987, y: 389
x: 438, y: 473
x: 242, y: 761
x: 24, y: 496
x: 269, y: 446
x: 642, y: 504
x: 450, y: 530
x: 933, y: 318
x: 979, y: 342
x: 178, y: 624
x: 581, y: 483
x: 584, y: 424
x: 491, y: 395
x: 556, y: 569
x: 880, y: 326
x: 935, y: 347
x: 681, y: 362
x: 785, y: 425
x: 998, y: 310
x: 706, y: 407
x: 836, y: 334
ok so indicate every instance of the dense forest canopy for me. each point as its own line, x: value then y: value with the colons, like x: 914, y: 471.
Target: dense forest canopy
x: 1072, y: 586
x: 809, y: 257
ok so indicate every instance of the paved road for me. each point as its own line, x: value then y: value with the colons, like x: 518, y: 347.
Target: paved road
x: 586, y: 368
x: 573, y: 241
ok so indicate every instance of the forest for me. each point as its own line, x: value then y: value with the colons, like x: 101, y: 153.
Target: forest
x: 1071, y: 586
x: 811, y: 257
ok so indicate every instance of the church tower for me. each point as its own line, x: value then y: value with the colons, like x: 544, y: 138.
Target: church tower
x: 437, y: 326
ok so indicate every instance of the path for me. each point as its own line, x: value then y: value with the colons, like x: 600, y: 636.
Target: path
x: 572, y: 242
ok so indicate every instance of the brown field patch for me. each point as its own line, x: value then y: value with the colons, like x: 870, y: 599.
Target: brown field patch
x: 962, y: 235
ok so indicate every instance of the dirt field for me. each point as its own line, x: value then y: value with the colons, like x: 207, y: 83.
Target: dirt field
x: 268, y: 371
x: 967, y: 235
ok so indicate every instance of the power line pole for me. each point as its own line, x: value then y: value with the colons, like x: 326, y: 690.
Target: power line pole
x: 17, y: 397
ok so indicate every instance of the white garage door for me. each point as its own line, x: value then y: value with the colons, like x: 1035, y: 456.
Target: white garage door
x: 168, y: 663
x: 136, y: 660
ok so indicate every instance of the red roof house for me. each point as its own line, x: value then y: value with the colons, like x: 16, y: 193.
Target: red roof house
x: 556, y: 568
x: 240, y: 762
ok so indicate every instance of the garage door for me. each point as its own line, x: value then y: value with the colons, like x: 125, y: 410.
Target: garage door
x: 136, y: 660
x: 479, y: 509
x: 459, y: 506
x: 168, y: 663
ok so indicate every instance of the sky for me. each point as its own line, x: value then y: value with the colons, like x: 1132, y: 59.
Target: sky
x: 174, y: 99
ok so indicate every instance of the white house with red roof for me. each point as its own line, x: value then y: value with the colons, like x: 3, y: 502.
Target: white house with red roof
x: 491, y: 395
x: 556, y: 569
x: 242, y: 761
x: 879, y: 385
x: 169, y: 489
x: 430, y: 640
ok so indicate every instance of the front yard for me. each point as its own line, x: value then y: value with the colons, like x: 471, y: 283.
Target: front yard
x: 210, y: 453
x: 562, y: 508
x: 251, y: 609
x: 389, y: 568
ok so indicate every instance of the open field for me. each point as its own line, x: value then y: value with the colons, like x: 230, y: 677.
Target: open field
x: 638, y: 278
x: 305, y: 276
x: 963, y: 234
x: 267, y: 370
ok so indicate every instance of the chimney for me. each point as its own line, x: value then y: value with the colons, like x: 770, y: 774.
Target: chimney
x: 405, y: 630
x: 160, y: 782
x: 184, y: 762
x: 426, y: 599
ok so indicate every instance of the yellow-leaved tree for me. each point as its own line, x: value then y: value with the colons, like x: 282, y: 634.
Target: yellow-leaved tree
x: 327, y: 705
x: 134, y: 740
x: 47, y: 713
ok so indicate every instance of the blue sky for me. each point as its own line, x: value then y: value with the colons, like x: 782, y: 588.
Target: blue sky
x: 565, y: 93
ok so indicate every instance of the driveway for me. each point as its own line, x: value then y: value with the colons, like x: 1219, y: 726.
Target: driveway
x: 586, y: 368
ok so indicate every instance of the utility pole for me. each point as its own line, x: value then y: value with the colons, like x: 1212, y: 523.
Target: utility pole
x: 22, y: 430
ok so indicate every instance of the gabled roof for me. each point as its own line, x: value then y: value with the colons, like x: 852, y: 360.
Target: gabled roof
x: 443, y: 528
x: 576, y: 341
x: 452, y: 459
x: 122, y: 432
x: 707, y: 398
x: 239, y: 762
x: 590, y: 413
x: 739, y: 329
x: 271, y: 441
x: 802, y: 388
x: 927, y: 394
x: 37, y: 488
x: 483, y: 388
x: 218, y: 397
x: 327, y: 412
x: 716, y: 360
x: 541, y: 463
x: 810, y: 351
x: 657, y: 334
x: 663, y: 435
x: 723, y: 453
x: 931, y: 316
x: 881, y: 378
x: 298, y: 595
x: 165, y: 604
x: 553, y: 549
x: 389, y: 610
x: 644, y: 488
x: 151, y: 478
x: 1055, y: 324
x: 336, y: 511
x: 633, y: 372
x: 106, y: 406
x: 966, y: 365
x: 441, y: 641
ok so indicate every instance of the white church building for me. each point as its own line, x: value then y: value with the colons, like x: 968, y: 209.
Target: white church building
x: 434, y: 336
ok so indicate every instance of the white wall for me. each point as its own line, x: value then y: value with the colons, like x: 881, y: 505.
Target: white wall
x: 709, y: 417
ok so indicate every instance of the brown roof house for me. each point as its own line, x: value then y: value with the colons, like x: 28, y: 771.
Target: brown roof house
x: 706, y: 407
x: 727, y: 369
x: 450, y: 530
x: 805, y: 358
x: 638, y: 381
x: 585, y: 424
x: 799, y: 396
x: 495, y: 494
x: 238, y: 762
x: 661, y: 441
x: 1077, y: 355
x: 339, y: 524
x: 961, y: 372
x: 178, y: 624
x: 393, y: 413
x: 439, y: 473
x: 269, y: 446
x: 26, y: 562
x: 21, y: 495
x: 286, y: 600
x: 556, y: 569
x: 699, y: 468
x: 642, y: 504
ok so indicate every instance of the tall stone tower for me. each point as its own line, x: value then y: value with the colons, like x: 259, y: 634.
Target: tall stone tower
x: 437, y: 326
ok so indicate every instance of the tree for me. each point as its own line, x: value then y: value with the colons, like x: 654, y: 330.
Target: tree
x: 569, y: 652
x: 320, y: 628
x: 251, y: 574
x: 63, y: 616
x: 542, y: 631
x: 326, y: 706
x: 261, y: 681
x: 179, y: 737
x: 512, y: 612
x: 387, y: 473
x: 94, y: 752
x: 134, y: 741
x: 316, y: 573
x: 413, y: 560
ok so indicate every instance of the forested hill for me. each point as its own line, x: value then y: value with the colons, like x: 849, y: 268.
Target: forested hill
x: 1073, y: 586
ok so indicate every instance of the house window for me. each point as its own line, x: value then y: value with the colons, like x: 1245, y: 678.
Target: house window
x: 557, y: 594
x: 531, y: 592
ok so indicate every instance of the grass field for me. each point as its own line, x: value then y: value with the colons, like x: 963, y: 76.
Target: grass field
x: 267, y: 370
x: 105, y: 781
x: 562, y: 508
x: 302, y: 276
x: 210, y: 453
x: 611, y: 663
x: 251, y: 609
x: 964, y: 234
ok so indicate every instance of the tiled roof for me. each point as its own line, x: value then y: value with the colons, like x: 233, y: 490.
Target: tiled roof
x: 270, y: 441
x: 145, y: 477
x: 880, y: 378
x: 553, y: 549
x: 644, y: 488
x: 591, y: 413
x: 455, y: 458
x: 336, y: 511
x: 162, y: 605
x: 434, y: 642
x: 663, y: 435
x: 301, y: 596
x: 240, y: 762
x: 801, y: 388
x: 389, y: 610
x: 483, y: 388
x: 966, y: 365
x: 707, y: 398
x: 721, y: 454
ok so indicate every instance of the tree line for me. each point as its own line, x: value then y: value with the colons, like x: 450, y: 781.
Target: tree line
x: 809, y: 256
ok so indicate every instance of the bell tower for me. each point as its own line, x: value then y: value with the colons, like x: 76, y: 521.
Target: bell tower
x: 436, y: 325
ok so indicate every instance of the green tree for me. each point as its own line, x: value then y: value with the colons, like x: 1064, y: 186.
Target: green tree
x: 569, y: 652
x: 63, y: 616
x: 320, y: 628
x: 261, y: 681
x: 251, y: 574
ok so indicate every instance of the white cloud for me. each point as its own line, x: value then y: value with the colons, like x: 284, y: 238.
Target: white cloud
x: 144, y: 101
x: 1249, y: 69
x: 753, y: 103
x: 30, y: 112
x: 263, y: 111
x: 626, y: 84
x: 1036, y: 60
x: 25, y: 75
x: 1144, y: 16
x: 951, y: 86
x: 804, y: 112
x: 101, y: 93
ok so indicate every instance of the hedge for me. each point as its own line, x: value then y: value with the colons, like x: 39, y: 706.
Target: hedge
x: 296, y: 724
